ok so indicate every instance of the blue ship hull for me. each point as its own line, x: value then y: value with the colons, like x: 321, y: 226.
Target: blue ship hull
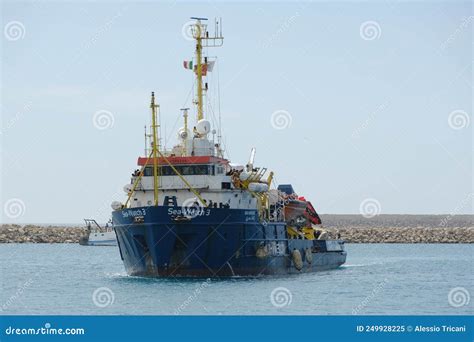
x: 164, y: 241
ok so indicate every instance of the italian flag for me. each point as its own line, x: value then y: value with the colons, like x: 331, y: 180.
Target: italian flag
x: 188, y: 65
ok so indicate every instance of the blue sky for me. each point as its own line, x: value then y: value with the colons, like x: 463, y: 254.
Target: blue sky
x: 377, y: 98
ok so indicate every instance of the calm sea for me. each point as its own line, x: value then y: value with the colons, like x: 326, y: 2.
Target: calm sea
x: 377, y: 279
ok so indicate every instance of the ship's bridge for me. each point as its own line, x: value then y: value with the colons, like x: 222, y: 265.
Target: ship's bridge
x: 206, y: 172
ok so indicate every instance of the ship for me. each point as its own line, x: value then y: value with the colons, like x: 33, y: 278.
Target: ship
x: 97, y: 235
x: 190, y: 212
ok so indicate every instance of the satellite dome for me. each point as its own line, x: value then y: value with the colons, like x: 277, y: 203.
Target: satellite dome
x: 183, y: 134
x: 203, y: 127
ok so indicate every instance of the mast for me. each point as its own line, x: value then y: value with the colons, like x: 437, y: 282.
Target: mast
x: 199, y: 69
x: 155, y: 146
x: 201, y: 35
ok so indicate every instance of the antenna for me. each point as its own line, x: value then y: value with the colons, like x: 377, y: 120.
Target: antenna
x: 185, y: 140
x: 213, y: 135
x: 146, y: 142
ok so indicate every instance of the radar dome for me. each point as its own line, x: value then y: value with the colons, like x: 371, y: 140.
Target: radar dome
x: 183, y: 134
x: 116, y: 205
x: 203, y: 127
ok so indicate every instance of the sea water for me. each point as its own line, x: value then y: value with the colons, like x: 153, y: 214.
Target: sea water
x: 393, y: 279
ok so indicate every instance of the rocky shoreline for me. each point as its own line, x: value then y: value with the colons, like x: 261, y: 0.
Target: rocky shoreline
x: 404, y: 235
x: 351, y: 231
x: 14, y: 233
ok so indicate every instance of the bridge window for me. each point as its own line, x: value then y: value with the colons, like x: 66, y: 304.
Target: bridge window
x: 185, y: 170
